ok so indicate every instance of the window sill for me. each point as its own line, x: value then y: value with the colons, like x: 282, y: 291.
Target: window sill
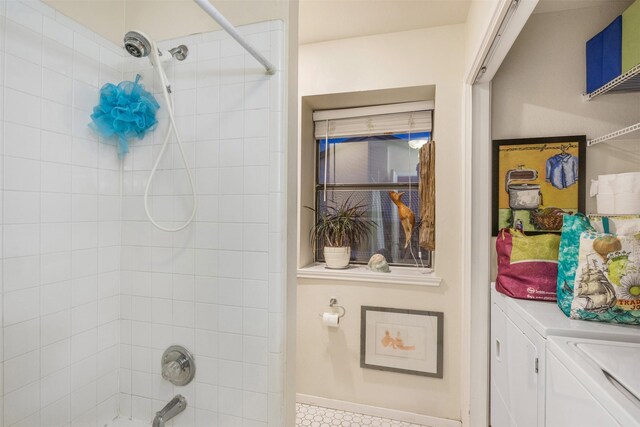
x: 360, y: 273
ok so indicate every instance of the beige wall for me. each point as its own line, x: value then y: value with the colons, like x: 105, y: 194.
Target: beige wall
x: 166, y: 19
x: 328, y: 360
x: 174, y: 18
x: 537, y: 91
x: 105, y: 17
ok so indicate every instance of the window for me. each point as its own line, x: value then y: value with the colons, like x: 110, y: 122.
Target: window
x: 362, y: 155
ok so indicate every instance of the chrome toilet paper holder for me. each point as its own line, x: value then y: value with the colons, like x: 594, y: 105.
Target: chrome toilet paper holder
x: 333, y: 303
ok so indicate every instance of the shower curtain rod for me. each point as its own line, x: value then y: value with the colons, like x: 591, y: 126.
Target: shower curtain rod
x: 230, y: 29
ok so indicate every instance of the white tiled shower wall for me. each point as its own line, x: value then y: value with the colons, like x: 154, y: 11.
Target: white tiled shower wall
x: 60, y: 223
x: 215, y: 287
x: 71, y: 337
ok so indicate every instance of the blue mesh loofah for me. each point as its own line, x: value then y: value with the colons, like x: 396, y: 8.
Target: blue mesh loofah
x: 125, y: 111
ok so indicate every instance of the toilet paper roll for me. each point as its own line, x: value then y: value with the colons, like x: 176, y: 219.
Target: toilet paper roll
x: 331, y: 319
x: 627, y: 203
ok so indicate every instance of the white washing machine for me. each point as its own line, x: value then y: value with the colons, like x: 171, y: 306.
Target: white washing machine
x: 520, y: 334
x: 592, y: 383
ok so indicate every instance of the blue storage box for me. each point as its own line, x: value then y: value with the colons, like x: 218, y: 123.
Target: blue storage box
x: 604, y: 55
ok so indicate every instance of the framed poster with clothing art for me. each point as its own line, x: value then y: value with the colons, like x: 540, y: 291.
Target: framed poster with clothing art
x: 536, y: 181
x: 401, y: 340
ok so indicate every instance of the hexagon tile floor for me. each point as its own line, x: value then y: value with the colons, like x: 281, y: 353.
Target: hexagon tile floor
x: 316, y: 416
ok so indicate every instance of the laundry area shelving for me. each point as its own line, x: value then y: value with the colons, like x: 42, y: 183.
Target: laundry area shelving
x: 627, y: 82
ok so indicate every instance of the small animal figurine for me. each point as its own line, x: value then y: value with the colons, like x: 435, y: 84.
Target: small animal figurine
x: 407, y: 218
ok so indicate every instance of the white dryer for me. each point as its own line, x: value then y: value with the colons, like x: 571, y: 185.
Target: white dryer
x: 592, y: 383
x: 520, y: 335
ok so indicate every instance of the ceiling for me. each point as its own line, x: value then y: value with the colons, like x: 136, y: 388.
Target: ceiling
x: 324, y: 20
x: 546, y: 6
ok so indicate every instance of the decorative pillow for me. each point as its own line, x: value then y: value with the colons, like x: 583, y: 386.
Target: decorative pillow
x: 621, y: 225
x: 572, y: 228
x: 527, y: 265
x: 607, y: 285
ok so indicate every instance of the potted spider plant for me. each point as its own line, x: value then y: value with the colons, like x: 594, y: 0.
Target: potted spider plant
x: 338, y: 228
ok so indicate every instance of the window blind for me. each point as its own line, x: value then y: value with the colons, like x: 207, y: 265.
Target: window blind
x: 414, y: 121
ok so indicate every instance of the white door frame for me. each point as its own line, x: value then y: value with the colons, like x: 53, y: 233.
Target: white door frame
x: 500, y: 35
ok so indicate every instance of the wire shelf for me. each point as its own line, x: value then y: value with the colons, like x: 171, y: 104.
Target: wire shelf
x: 627, y: 82
x: 615, y: 134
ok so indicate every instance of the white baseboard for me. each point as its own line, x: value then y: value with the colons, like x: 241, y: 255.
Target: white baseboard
x: 409, y: 417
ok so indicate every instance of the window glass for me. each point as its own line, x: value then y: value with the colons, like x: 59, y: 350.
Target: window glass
x: 364, y: 170
x: 369, y: 160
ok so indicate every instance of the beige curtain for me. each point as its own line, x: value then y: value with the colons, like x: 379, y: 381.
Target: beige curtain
x: 427, y: 190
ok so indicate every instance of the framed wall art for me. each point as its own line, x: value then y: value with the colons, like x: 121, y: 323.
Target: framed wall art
x: 536, y: 181
x: 397, y: 340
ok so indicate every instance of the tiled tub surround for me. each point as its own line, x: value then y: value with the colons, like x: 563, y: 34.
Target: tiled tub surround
x: 215, y: 287
x: 60, y: 223
x: 91, y: 292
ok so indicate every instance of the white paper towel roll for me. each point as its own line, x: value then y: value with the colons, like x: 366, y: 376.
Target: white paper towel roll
x: 627, y: 203
x: 628, y: 182
x: 331, y: 319
x: 606, y: 204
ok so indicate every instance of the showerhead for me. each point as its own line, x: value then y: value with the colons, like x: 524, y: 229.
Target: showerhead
x: 137, y: 44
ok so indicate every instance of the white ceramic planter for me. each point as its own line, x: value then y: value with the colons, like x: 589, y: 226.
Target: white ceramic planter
x: 337, y: 257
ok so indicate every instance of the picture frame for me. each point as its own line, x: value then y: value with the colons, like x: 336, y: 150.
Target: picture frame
x: 536, y: 180
x: 402, y: 340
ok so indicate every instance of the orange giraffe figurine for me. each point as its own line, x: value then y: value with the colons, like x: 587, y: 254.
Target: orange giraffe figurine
x: 407, y: 218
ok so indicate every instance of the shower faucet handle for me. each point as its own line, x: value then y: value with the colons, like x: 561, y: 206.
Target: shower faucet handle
x: 178, y: 365
x: 171, y: 370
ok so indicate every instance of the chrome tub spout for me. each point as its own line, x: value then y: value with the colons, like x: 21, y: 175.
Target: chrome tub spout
x: 170, y: 410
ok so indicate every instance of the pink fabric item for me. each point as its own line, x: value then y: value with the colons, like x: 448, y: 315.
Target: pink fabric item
x: 525, y: 279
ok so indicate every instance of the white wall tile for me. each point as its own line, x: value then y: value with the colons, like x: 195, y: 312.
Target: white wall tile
x: 86, y: 69
x: 58, y: 413
x: 230, y: 319
x: 55, y: 267
x: 55, y: 237
x: 23, y: 42
x: 55, y: 297
x: 21, y: 108
x: 57, y: 57
x: 21, y: 338
x: 22, y: 75
x: 55, y: 327
x: 25, y: 15
x: 177, y: 280
x: 206, y: 396
x: 58, y: 32
x: 55, y: 147
x: 21, y: 370
x: 20, y: 273
x: 255, y: 406
x: 230, y: 347
x: 232, y: 124
x: 21, y: 141
x: 208, y: 100
x: 56, y: 117
x: 21, y: 207
x: 21, y: 403
x: 85, y: 46
x: 21, y: 240
x: 56, y: 177
x: 55, y: 357
x: 54, y: 387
